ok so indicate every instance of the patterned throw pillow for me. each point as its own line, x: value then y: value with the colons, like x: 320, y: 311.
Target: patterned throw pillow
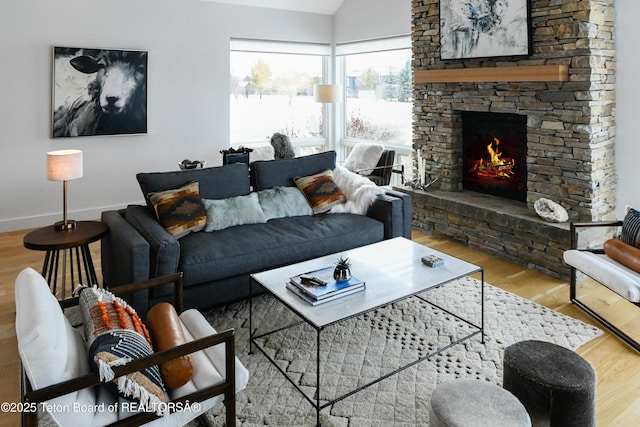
x: 631, y: 228
x: 180, y: 211
x: 321, y: 191
x: 115, y: 335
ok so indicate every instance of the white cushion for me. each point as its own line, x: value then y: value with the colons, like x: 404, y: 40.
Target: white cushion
x: 615, y: 276
x: 363, y: 157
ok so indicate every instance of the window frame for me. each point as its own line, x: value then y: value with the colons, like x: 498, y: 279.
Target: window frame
x: 291, y: 48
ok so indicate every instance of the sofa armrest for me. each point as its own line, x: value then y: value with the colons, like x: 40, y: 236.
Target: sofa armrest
x: 393, y: 209
x: 164, y: 249
x: 124, y: 252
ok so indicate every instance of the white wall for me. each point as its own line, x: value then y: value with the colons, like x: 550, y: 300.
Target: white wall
x: 628, y: 106
x: 188, y: 94
x: 371, y: 19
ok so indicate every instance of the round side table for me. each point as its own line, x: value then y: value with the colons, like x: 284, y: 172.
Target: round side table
x: 72, y: 244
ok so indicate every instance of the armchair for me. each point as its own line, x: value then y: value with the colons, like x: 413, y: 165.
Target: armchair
x: 55, y: 376
x: 596, y: 264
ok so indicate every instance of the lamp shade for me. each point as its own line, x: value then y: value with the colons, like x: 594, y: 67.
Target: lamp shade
x: 328, y: 93
x: 64, y: 165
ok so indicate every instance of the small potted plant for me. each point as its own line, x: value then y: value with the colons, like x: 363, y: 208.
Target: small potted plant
x: 342, y: 272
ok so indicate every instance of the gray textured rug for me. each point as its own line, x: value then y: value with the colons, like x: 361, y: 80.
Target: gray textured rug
x: 361, y: 349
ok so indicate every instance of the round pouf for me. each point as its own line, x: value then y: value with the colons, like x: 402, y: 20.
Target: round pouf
x: 478, y: 403
x: 556, y: 385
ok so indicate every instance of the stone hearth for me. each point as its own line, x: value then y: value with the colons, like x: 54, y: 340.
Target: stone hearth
x: 570, y: 131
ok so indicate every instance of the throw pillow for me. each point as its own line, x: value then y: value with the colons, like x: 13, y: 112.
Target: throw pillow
x: 631, y: 228
x: 166, y: 332
x: 115, y: 335
x: 180, y: 211
x: 364, y: 157
x: 625, y: 254
x: 233, y: 211
x: 282, y: 202
x: 282, y: 148
x: 321, y: 191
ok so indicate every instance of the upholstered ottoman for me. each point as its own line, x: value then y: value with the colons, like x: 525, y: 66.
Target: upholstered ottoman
x: 556, y: 385
x: 473, y: 403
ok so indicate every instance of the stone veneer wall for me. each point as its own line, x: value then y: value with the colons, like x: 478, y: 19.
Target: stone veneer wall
x: 571, y: 125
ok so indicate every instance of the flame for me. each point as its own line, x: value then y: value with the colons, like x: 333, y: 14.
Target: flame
x: 495, y: 155
x: 497, y: 167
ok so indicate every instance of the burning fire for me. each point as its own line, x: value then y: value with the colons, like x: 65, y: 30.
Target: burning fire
x: 496, y: 167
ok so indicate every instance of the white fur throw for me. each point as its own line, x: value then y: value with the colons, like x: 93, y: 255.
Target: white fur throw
x: 360, y: 192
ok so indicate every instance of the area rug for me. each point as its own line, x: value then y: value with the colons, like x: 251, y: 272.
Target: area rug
x: 360, y: 349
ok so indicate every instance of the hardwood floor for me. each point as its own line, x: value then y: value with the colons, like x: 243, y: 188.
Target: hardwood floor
x: 616, y: 365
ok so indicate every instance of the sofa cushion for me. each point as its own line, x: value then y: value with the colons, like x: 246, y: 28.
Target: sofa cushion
x: 283, y: 202
x: 180, y: 210
x: 233, y: 211
x: 625, y: 254
x: 631, y: 228
x: 256, y: 247
x: 280, y: 173
x: 321, y: 191
x: 615, y: 276
x: 215, y: 183
x: 50, y: 349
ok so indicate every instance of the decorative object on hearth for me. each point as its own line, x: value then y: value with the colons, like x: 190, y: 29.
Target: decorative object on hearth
x: 328, y: 93
x: 484, y: 28
x: 191, y: 164
x: 342, y: 272
x: 282, y: 146
x: 64, y: 165
x: 550, y: 210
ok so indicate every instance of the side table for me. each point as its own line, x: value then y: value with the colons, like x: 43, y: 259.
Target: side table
x: 67, y: 242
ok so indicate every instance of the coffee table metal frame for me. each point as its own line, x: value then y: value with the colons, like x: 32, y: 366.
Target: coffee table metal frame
x: 393, y: 262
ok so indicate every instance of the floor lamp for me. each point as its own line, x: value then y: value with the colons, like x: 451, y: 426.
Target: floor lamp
x: 64, y: 165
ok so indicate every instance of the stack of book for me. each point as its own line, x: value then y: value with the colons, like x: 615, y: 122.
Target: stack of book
x: 315, y: 294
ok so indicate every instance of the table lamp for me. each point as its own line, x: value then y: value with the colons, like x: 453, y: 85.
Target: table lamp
x: 328, y: 93
x: 64, y: 165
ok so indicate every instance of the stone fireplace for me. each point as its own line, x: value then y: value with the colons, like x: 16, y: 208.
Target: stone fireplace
x: 569, y: 130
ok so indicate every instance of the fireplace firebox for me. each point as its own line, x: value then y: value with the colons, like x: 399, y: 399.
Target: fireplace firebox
x: 494, y: 150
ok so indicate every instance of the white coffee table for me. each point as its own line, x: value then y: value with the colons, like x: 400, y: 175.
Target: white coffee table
x: 392, y: 270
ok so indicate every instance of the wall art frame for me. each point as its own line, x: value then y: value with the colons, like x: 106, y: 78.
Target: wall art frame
x: 99, y: 92
x: 485, y: 28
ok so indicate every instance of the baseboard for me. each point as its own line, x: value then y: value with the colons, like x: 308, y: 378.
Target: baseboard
x: 25, y: 223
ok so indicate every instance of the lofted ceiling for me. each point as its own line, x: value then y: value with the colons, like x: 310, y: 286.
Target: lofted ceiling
x: 326, y: 7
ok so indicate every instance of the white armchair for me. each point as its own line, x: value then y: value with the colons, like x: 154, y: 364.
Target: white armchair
x: 55, y: 369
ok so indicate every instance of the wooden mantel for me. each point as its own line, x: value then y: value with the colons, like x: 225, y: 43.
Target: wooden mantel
x: 528, y: 73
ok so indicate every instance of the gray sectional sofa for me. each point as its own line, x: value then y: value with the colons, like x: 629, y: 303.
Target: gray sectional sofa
x: 217, y: 265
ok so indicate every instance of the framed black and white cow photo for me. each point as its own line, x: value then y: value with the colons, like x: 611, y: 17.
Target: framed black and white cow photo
x: 99, y: 92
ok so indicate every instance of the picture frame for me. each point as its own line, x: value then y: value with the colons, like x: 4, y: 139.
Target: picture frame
x: 98, y: 92
x: 484, y: 28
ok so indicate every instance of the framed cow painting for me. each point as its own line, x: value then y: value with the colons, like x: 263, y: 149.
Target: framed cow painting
x: 484, y: 28
x: 99, y: 92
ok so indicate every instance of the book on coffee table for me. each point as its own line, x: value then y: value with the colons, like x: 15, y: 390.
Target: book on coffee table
x: 293, y: 288
x: 330, y: 290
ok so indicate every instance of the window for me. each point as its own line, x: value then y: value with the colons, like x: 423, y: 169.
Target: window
x: 272, y: 90
x: 378, y: 89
